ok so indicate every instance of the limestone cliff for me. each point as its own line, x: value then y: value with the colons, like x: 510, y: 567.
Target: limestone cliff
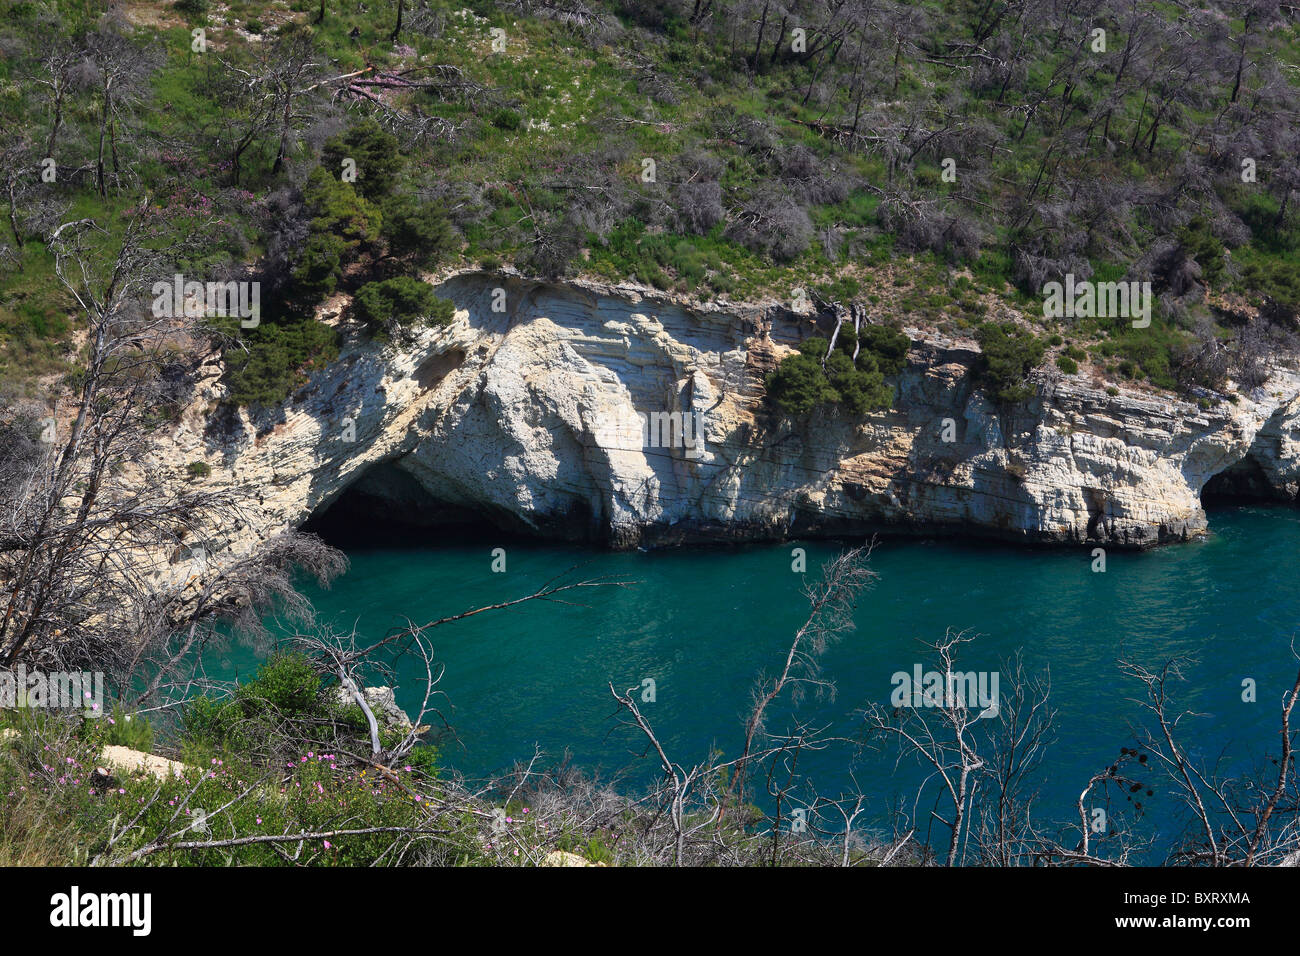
x: 528, y: 417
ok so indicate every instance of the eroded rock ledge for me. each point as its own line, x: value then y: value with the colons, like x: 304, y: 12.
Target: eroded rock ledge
x: 514, y: 417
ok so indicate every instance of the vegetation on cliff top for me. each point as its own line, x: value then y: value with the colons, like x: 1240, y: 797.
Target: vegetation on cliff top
x: 946, y: 158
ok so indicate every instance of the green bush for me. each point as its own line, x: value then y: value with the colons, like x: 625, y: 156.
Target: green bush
x: 388, y: 305
x: 198, y: 469
x: 375, y: 152
x: 288, y: 683
x: 339, y: 210
x: 888, y: 346
x: 207, y: 723
x: 343, y: 225
x: 287, y: 688
x: 1066, y: 364
x: 318, y: 269
x: 1009, y: 353
x: 285, y: 708
x: 418, y: 231
x: 1276, y: 288
x: 121, y: 729
x: 507, y: 119
x: 1199, y: 243
x: 800, y: 383
x: 280, y: 355
x: 861, y: 387
x: 1147, y: 353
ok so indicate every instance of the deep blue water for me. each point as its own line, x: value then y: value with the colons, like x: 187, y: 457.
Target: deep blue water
x: 703, y: 623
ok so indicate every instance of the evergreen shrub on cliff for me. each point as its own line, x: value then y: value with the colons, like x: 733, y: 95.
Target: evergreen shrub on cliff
x: 1009, y: 354
x: 804, y: 381
x: 343, y: 224
x: 388, y: 306
x: 280, y: 354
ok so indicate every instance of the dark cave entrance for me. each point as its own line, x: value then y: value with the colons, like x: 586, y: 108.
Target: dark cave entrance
x: 386, y: 507
x: 1242, y: 483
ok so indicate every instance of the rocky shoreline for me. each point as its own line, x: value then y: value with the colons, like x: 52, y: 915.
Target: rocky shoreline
x: 519, y: 418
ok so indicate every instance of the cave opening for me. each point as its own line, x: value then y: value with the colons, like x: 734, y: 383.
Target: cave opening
x: 386, y: 507
x: 1244, y: 482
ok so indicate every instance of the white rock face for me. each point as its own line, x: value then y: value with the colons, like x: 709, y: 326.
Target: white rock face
x: 532, y: 417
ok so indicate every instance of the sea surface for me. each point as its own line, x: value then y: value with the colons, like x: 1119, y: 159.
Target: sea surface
x: 704, y: 623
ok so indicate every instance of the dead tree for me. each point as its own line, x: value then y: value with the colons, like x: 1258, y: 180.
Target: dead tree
x: 942, y: 733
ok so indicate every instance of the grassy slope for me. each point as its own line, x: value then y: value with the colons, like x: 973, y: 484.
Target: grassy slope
x: 561, y: 111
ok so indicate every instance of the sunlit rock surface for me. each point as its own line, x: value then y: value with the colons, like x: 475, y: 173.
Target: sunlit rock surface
x: 529, y: 418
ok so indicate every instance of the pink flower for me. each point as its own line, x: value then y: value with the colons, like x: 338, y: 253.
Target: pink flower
x: 327, y: 844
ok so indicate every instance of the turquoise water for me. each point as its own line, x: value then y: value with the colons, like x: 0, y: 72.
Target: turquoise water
x: 703, y: 623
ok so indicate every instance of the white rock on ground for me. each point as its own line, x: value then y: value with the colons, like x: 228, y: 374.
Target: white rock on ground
x: 137, y: 763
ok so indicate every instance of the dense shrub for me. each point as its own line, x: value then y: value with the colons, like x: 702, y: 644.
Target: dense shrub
x: 342, y: 225
x: 1151, y: 353
x: 1276, y: 287
x: 319, y: 268
x: 889, y: 346
x: 280, y: 355
x: 1198, y: 243
x: 375, y: 152
x: 801, y: 383
x: 1009, y: 353
x: 288, y: 683
x: 337, y: 209
x: 417, y: 231
x: 389, y: 305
